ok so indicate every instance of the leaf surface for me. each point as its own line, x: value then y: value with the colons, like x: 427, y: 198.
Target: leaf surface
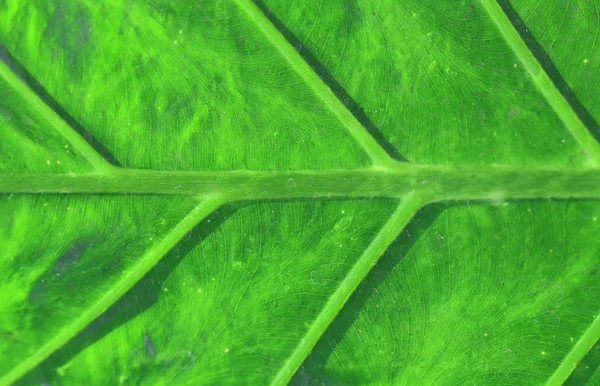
x: 505, y: 304
x: 194, y: 190
x: 449, y: 88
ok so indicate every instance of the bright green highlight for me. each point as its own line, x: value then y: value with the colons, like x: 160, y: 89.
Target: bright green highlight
x: 434, y: 183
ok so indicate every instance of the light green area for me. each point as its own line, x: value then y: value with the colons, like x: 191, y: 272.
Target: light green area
x: 471, y: 294
x: 258, y: 189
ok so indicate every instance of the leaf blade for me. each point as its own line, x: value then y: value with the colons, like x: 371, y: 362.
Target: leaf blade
x: 234, y: 297
x: 113, y: 293
x: 455, y: 302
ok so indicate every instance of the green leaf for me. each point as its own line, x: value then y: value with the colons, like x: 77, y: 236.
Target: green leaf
x: 199, y: 192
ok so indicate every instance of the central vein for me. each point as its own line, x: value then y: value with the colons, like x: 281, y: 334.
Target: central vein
x: 434, y: 182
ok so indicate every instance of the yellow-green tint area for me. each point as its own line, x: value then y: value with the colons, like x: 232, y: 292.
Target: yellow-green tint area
x: 230, y: 303
x: 435, y: 78
x: 587, y: 371
x: 60, y: 254
x: 471, y: 294
x: 28, y: 142
x: 176, y: 86
x: 569, y: 32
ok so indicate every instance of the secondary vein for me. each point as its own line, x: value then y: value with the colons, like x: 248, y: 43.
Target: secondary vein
x: 79, y: 143
x: 543, y: 82
x: 126, y: 282
x: 409, y: 205
x: 377, y: 154
x: 579, y: 350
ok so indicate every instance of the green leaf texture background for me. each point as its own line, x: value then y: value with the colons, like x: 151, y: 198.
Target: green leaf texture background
x: 341, y: 192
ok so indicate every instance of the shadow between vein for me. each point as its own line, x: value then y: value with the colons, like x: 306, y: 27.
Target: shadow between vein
x: 542, y: 56
x: 332, y: 83
x: 41, y: 92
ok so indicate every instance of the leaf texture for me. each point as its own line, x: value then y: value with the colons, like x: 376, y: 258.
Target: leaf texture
x: 193, y: 191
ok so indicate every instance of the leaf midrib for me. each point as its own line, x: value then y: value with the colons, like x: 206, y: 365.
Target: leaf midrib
x: 435, y: 182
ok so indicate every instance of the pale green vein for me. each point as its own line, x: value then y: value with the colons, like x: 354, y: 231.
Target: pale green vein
x: 409, y: 205
x: 543, y: 82
x: 377, y: 154
x: 128, y: 280
x: 579, y: 350
x: 77, y: 142
x: 436, y: 182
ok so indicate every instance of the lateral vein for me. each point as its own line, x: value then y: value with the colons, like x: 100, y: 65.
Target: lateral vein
x: 544, y: 84
x: 407, y: 208
x: 577, y: 353
x: 126, y: 282
x: 79, y: 143
x: 377, y: 153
